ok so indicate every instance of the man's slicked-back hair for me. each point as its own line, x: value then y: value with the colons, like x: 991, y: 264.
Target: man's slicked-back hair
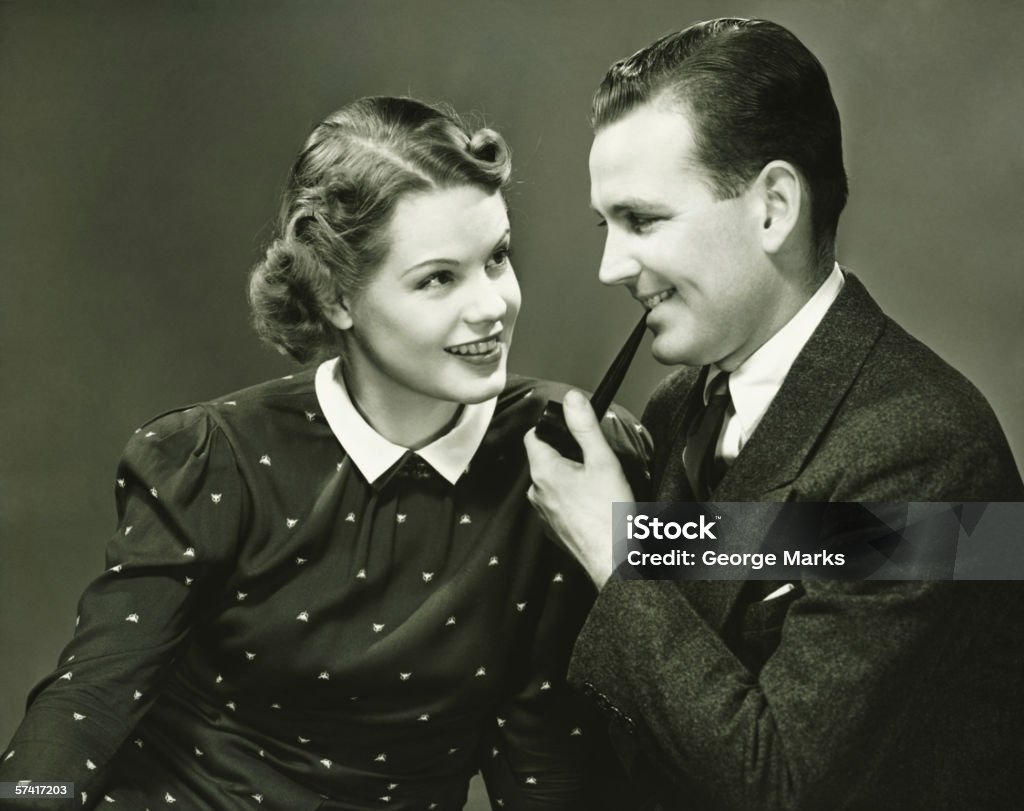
x: 755, y: 94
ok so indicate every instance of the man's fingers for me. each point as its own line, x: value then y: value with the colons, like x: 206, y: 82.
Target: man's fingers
x: 538, y: 452
x: 584, y: 426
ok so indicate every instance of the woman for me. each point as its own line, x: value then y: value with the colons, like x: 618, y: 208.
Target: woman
x: 328, y: 591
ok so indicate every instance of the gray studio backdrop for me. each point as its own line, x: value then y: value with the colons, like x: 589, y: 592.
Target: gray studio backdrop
x: 143, y: 146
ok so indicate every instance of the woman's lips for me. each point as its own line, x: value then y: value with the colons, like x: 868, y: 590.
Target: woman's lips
x: 485, y: 351
x: 475, y: 348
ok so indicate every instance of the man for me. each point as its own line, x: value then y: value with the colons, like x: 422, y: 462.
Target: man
x: 717, y: 169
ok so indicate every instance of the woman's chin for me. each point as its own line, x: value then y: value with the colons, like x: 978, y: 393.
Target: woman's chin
x: 484, y: 388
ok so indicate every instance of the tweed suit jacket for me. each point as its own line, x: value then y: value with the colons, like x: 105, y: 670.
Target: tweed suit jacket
x: 863, y: 695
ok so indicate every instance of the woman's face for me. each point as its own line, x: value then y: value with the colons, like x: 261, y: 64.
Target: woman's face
x: 435, y: 321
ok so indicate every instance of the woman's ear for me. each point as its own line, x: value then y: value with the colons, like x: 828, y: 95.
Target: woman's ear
x: 339, y: 315
x: 781, y: 192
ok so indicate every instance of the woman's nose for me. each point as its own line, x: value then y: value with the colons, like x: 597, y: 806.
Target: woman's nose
x: 487, y: 302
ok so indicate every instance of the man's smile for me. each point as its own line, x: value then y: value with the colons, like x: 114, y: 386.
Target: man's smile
x: 650, y: 302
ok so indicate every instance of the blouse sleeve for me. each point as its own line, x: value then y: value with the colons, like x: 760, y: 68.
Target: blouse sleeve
x: 178, y: 504
x: 538, y: 751
x: 547, y: 749
x: 632, y: 444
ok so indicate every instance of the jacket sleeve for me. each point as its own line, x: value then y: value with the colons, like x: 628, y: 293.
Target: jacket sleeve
x: 848, y: 668
x: 799, y: 733
x: 178, y: 504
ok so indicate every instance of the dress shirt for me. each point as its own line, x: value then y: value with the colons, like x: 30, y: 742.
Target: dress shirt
x: 755, y: 382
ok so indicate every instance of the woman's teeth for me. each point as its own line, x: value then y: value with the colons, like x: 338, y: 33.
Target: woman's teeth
x: 478, y: 348
x: 657, y: 298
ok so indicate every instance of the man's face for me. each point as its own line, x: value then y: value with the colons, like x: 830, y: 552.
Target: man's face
x: 695, y: 261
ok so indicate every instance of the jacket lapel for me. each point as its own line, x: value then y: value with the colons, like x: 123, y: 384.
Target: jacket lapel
x: 673, y: 483
x: 808, y: 399
x: 794, y: 422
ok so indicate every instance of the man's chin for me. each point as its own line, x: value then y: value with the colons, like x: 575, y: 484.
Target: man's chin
x: 668, y: 355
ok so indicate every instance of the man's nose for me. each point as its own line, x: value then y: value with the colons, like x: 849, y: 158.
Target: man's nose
x: 618, y: 265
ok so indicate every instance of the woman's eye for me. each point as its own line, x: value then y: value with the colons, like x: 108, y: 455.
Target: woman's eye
x: 500, y: 257
x: 436, y: 280
x: 602, y: 223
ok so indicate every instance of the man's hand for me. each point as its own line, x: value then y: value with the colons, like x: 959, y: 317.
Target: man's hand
x: 576, y: 499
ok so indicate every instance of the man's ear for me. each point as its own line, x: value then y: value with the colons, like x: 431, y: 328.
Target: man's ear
x: 339, y: 315
x: 782, y: 196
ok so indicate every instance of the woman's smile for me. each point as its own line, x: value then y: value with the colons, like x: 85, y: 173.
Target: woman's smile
x: 486, y: 351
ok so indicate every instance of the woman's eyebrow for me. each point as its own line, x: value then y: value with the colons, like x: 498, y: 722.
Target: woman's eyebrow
x: 504, y: 236
x: 441, y: 260
x: 438, y: 261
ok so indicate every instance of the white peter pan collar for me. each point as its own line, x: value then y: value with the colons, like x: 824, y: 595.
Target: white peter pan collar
x: 449, y: 455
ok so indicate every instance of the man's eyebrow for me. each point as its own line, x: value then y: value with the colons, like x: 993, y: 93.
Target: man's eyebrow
x: 629, y: 204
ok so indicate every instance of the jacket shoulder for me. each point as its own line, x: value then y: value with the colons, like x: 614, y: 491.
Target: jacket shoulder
x: 935, y: 431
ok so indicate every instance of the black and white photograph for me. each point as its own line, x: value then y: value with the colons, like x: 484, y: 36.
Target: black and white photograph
x: 333, y: 330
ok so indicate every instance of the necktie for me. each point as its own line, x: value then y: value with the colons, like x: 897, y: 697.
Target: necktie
x: 702, y: 468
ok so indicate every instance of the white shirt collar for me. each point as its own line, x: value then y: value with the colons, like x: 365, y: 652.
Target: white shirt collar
x: 449, y: 455
x: 755, y: 382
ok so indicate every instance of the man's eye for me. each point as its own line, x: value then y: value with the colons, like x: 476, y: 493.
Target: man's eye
x: 602, y: 223
x: 640, y: 224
